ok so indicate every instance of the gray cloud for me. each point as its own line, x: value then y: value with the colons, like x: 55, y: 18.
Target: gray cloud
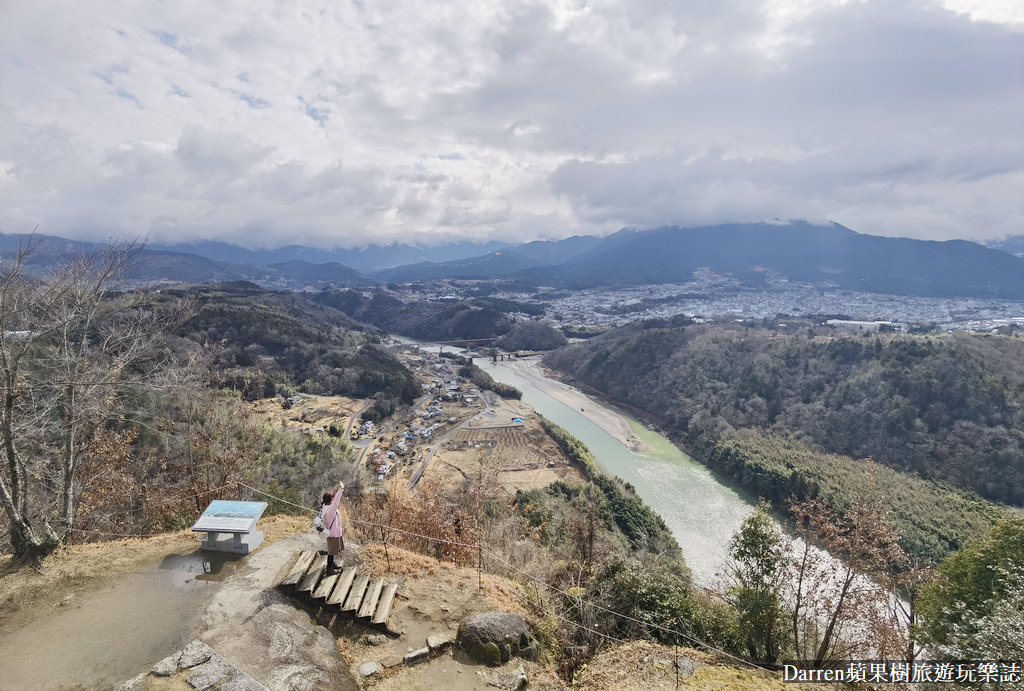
x: 349, y: 123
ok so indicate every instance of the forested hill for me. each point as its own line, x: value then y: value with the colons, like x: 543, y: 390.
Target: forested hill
x: 947, y: 408
x: 278, y: 342
x: 449, y: 320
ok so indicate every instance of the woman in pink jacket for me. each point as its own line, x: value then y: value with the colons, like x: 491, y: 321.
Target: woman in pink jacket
x: 331, y: 517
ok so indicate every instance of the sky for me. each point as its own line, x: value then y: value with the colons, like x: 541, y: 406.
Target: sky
x: 342, y: 123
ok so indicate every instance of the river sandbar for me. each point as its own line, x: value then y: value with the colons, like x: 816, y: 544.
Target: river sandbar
x: 607, y: 419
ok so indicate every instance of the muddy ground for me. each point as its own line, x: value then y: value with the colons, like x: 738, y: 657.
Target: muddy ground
x: 94, y: 615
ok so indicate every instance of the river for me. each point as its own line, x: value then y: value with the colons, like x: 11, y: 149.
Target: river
x: 700, y: 509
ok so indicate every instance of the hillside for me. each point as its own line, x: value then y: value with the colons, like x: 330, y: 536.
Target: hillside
x: 449, y: 320
x: 945, y: 409
x: 271, y: 342
x: 830, y: 255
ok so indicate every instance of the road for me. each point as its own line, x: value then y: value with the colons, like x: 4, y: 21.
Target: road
x: 365, y: 444
x: 430, y: 454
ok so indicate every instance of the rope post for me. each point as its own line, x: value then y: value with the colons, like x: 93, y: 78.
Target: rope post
x: 385, y: 541
x: 480, y: 567
x: 439, y: 552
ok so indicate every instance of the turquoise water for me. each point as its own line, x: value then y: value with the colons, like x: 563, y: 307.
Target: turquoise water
x: 700, y: 509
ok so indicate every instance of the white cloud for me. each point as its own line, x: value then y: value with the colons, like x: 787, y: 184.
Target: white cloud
x: 267, y: 122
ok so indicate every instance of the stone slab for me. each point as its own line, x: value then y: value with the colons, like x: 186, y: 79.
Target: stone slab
x: 509, y: 681
x: 417, y: 656
x: 391, y: 661
x: 195, y: 653
x: 439, y: 641
x: 213, y: 671
x: 368, y: 669
x: 167, y: 666
x: 241, y: 682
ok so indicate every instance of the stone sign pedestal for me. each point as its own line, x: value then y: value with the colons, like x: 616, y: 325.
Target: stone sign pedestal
x: 234, y: 518
x: 237, y: 543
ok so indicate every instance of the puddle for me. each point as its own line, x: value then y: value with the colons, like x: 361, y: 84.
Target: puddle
x: 201, y: 567
x: 101, y: 637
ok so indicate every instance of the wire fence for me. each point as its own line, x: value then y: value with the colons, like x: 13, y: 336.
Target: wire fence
x: 148, y: 507
x: 484, y: 554
x: 483, y: 551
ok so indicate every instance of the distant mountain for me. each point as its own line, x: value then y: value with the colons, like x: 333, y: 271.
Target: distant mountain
x: 799, y: 251
x: 154, y: 265
x: 749, y: 252
x: 370, y: 258
x: 504, y: 262
x: 159, y: 265
x: 45, y: 244
x: 495, y: 264
x: 330, y: 272
x: 802, y: 252
x: 1014, y: 244
x: 558, y: 251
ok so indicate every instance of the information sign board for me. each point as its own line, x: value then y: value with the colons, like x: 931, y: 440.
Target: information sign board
x: 235, y: 517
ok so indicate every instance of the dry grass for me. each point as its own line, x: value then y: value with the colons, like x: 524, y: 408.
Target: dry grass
x: 309, y: 412
x: 503, y: 594
x: 643, y: 666
x: 519, y: 458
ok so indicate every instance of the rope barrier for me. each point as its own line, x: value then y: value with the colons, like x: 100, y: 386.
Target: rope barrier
x: 688, y: 637
x: 268, y: 494
x: 478, y: 546
x: 474, y: 546
x: 163, y: 503
x: 97, y: 532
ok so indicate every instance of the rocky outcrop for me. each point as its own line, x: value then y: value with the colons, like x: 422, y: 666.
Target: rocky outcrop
x: 494, y: 637
x: 201, y: 667
x: 249, y: 620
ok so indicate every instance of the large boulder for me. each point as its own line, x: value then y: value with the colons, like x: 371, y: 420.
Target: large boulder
x: 494, y: 637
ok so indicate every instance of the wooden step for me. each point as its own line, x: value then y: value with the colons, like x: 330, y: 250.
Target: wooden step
x: 340, y: 591
x: 369, y: 605
x: 355, y: 596
x: 387, y: 599
x: 325, y: 586
x: 298, y: 570
x: 313, y: 575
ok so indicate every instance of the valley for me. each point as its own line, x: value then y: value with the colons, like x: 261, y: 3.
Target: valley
x: 626, y: 345
x: 511, y: 455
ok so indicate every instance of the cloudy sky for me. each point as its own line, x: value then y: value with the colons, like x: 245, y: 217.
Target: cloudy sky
x: 346, y: 122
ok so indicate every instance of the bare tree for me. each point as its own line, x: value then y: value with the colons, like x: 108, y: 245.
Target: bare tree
x: 842, y: 607
x: 72, y: 345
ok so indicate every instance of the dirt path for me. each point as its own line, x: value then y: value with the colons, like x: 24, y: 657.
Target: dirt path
x: 98, y: 614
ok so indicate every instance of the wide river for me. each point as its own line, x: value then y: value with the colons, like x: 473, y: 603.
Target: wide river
x: 700, y: 509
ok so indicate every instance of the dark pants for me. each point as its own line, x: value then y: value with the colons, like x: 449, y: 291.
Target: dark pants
x: 334, y: 547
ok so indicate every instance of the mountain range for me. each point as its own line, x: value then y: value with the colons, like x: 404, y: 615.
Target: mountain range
x: 822, y: 254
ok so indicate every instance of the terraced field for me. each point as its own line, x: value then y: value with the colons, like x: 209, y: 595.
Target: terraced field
x: 519, y: 456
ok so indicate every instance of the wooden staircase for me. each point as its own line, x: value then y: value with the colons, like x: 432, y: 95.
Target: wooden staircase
x: 348, y: 591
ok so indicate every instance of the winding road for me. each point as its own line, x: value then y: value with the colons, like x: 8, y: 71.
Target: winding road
x: 433, y: 449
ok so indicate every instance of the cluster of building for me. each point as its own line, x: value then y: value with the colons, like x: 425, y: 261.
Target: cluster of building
x: 366, y: 428
x: 446, y: 386
x: 710, y: 295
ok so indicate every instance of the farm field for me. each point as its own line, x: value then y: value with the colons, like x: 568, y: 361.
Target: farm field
x: 517, y: 456
x: 310, y: 412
